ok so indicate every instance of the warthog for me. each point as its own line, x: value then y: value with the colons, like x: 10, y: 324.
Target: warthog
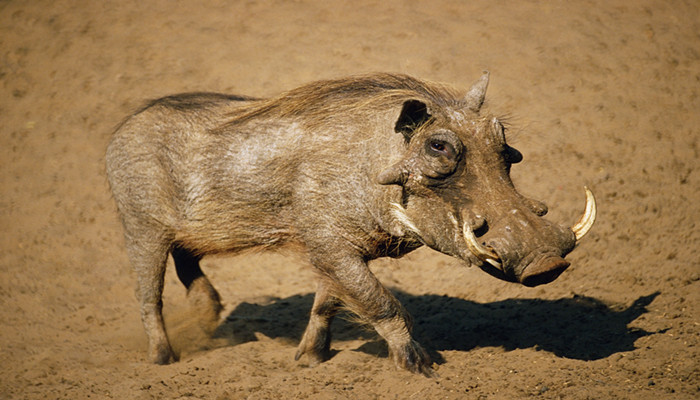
x: 345, y: 170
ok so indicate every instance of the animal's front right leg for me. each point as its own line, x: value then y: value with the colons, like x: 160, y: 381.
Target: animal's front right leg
x: 316, y: 342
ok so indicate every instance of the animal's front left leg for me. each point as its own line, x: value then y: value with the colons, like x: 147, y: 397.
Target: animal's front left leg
x: 350, y: 280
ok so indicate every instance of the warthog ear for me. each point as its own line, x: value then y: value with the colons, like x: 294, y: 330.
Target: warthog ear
x: 413, y: 114
x: 476, y: 94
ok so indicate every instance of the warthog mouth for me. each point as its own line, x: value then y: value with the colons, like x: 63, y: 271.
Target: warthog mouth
x: 545, y: 267
x: 543, y: 270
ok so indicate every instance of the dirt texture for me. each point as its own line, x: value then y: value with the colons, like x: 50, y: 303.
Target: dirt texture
x: 598, y: 93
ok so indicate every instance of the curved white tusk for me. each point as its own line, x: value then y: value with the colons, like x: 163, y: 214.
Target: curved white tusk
x: 485, y: 254
x: 588, y: 218
x: 400, y: 214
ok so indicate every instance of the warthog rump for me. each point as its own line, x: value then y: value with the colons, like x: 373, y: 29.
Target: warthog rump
x: 344, y: 170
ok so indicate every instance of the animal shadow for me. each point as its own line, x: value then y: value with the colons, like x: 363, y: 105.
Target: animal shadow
x: 580, y: 327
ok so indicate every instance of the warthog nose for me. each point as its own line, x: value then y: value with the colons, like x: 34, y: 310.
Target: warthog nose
x: 543, y: 271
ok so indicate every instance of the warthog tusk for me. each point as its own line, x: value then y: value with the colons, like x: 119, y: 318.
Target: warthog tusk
x: 588, y: 218
x: 485, y: 254
x: 400, y: 214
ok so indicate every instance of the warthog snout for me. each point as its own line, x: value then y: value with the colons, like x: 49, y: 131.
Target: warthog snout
x: 545, y: 270
x: 528, y: 249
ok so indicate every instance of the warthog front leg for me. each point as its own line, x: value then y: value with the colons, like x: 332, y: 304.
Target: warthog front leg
x: 351, y: 281
x: 316, y: 341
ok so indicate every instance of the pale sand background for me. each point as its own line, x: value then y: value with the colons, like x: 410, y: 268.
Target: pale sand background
x: 603, y: 93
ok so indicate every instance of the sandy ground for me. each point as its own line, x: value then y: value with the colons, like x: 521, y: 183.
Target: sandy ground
x: 603, y: 93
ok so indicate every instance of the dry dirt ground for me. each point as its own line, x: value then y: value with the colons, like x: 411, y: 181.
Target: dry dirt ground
x: 603, y: 93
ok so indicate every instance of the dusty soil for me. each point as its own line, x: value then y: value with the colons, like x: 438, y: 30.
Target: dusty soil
x: 603, y: 93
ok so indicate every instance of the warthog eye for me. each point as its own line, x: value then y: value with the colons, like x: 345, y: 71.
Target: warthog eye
x: 438, y: 146
x: 441, y: 148
x: 442, y: 152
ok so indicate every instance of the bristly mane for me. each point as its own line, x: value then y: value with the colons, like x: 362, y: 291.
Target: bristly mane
x: 317, y: 99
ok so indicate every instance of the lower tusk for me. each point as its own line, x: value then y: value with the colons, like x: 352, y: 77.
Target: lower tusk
x: 588, y: 218
x: 493, y: 262
x: 485, y: 254
x: 400, y: 214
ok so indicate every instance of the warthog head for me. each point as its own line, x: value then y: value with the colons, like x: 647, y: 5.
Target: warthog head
x: 458, y: 197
